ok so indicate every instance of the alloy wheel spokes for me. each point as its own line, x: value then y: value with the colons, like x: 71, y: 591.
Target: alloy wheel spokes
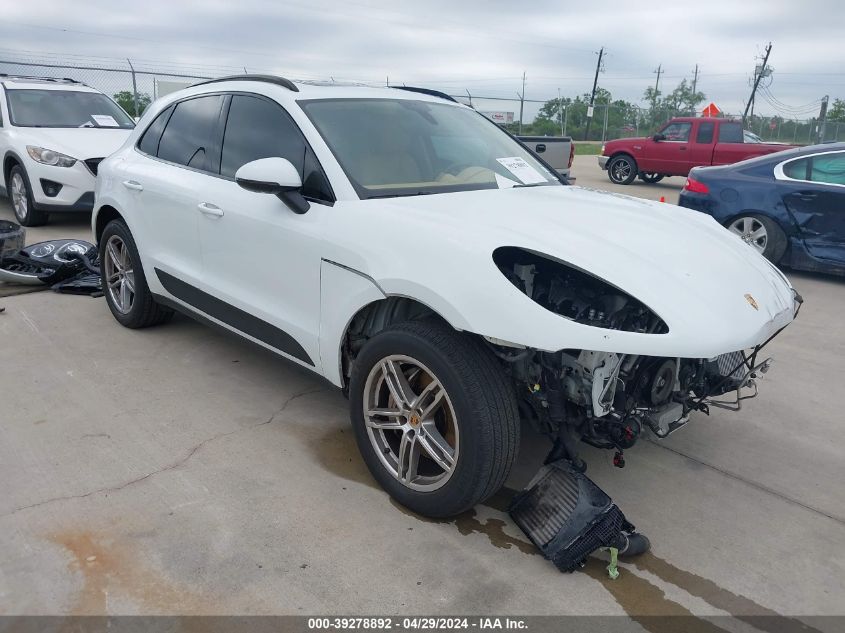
x: 398, y: 384
x: 120, y: 277
x: 411, y: 423
x: 436, y: 446
x: 408, y: 457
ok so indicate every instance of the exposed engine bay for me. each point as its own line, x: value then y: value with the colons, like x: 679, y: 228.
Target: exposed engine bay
x: 606, y: 399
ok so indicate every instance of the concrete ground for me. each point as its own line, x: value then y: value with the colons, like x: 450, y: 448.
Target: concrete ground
x: 181, y: 470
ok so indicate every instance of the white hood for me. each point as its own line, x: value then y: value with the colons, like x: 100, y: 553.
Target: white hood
x: 80, y: 143
x: 689, y: 270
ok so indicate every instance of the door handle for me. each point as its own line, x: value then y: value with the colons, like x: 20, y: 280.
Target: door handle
x: 133, y: 185
x: 210, y: 209
x: 540, y: 148
x: 806, y: 195
x: 683, y: 148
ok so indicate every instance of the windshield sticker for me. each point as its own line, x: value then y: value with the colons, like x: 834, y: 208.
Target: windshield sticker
x: 105, y: 120
x: 522, y: 170
x: 504, y: 183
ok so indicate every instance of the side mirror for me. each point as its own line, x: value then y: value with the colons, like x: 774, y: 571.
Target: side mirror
x: 658, y: 137
x: 276, y: 176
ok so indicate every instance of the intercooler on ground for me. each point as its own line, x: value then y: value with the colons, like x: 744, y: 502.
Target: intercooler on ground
x: 567, y: 516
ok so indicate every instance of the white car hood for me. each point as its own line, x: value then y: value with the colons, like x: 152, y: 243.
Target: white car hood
x: 682, y: 264
x: 80, y: 143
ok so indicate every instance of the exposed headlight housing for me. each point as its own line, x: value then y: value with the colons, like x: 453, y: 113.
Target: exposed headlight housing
x: 575, y: 294
x: 49, y: 156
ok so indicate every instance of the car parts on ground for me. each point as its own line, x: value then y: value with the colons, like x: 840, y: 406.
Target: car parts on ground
x: 68, y: 266
x: 567, y: 516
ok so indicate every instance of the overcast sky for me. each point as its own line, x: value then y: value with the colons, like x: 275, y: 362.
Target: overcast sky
x: 452, y: 45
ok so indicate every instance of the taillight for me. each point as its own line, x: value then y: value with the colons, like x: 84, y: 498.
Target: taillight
x: 571, y: 153
x: 695, y: 186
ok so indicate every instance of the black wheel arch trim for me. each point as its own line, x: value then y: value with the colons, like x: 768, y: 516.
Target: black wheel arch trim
x: 207, y: 305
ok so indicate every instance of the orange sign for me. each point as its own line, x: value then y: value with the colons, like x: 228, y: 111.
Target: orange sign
x: 711, y: 110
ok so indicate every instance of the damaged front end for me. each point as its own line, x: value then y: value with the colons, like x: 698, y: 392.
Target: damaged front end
x: 603, y: 398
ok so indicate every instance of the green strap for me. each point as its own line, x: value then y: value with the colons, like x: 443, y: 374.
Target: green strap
x: 612, y: 569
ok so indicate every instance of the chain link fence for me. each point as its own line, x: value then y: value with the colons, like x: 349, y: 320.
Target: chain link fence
x: 136, y: 83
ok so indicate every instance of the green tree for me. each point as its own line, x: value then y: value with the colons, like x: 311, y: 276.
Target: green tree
x: 836, y: 112
x: 126, y: 100
x: 683, y: 99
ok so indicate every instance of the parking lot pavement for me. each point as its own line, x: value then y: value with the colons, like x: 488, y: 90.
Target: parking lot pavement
x: 588, y: 174
x: 181, y: 470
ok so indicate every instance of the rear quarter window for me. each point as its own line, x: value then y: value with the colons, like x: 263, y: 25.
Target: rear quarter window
x: 152, y: 135
x: 190, y: 137
x: 730, y: 132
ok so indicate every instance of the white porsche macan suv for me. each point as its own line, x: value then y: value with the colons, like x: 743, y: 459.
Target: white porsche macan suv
x: 408, y: 250
x: 53, y: 135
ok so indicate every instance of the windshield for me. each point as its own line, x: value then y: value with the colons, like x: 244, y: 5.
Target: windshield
x: 400, y: 147
x: 65, y: 108
x: 751, y: 137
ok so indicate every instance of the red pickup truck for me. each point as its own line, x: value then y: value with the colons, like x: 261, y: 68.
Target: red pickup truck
x: 683, y: 143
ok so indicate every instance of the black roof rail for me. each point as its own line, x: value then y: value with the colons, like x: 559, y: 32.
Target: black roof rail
x: 36, y: 77
x: 270, y: 79
x: 427, y: 91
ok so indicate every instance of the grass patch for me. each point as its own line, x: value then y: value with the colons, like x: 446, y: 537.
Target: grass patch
x: 587, y: 149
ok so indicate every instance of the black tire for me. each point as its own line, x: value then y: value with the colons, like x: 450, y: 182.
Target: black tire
x: 144, y: 311
x: 650, y: 177
x: 776, y: 241
x: 622, y: 169
x: 484, y: 404
x: 30, y: 216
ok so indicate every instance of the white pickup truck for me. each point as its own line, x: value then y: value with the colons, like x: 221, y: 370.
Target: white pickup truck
x: 557, y: 151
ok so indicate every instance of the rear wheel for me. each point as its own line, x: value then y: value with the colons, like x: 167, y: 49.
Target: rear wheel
x: 762, y: 234
x: 124, y: 285
x: 434, y: 416
x: 21, y: 197
x: 622, y: 169
x: 650, y: 177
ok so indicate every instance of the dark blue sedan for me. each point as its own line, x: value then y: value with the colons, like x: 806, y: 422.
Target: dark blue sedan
x: 790, y: 206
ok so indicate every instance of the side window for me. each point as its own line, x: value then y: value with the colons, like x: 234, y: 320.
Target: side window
x: 257, y: 128
x: 730, y: 132
x: 796, y: 169
x: 189, y: 137
x: 705, y: 132
x: 677, y: 132
x: 152, y: 135
x: 828, y: 168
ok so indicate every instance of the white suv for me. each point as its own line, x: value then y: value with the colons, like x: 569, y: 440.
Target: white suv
x: 53, y: 135
x: 415, y: 255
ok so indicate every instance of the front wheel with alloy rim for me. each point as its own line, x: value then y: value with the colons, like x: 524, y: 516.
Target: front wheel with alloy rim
x: 762, y: 234
x: 434, y: 416
x: 21, y: 197
x: 124, y: 285
x: 622, y: 169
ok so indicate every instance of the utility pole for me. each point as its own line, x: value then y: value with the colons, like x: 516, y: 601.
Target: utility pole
x: 560, y: 111
x: 659, y: 71
x: 823, y: 118
x: 694, y: 84
x: 593, y: 95
x: 521, y: 102
x: 757, y: 78
x: 134, y: 88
